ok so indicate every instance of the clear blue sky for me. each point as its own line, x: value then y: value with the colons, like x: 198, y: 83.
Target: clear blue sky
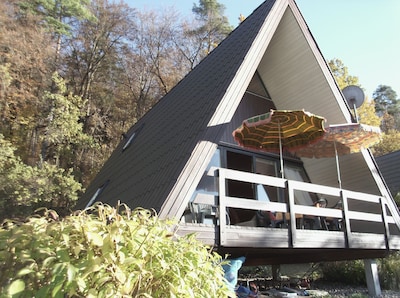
x: 364, y: 34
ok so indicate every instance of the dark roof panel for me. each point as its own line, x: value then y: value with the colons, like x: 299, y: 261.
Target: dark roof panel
x: 389, y: 165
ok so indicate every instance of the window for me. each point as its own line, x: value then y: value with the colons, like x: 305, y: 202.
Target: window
x: 96, y: 194
x: 131, y: 138
x: 298, y: 174
x: 202, y: 207
x: 129, y: 141
x: 268, y: 168
x: 208, y: 184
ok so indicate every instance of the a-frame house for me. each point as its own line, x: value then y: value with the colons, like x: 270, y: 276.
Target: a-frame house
x: 182, y: 160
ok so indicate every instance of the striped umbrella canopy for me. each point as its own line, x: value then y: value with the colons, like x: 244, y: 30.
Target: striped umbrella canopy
x: 280, y: 130
x: 340, y: 140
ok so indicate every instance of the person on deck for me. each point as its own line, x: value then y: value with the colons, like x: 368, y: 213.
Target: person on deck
x: 317, y: 222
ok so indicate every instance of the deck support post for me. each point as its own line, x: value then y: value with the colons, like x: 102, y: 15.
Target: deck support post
x: 371, y: 274
x: 276, y: 272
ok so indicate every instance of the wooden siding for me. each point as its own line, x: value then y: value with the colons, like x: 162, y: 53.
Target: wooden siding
x: 311, y: 84
x: 250, y: 106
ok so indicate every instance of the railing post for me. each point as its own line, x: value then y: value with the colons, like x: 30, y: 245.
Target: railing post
x: 385, y: 223
x: 292, y: 227
x: 222, y: 206
x: 346, y: 220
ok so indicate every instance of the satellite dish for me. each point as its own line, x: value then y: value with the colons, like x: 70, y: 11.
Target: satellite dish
x: 354, y: 97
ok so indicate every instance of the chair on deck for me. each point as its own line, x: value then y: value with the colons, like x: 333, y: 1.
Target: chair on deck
x: 316, y: 222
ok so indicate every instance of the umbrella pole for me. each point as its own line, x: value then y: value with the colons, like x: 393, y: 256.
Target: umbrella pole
x: 337, y: 166
x: 280, y: 149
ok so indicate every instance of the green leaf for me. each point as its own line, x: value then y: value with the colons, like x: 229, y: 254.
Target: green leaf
x: 95, y: 238
x: 43, y: 291
x: 63, y: 255
x: 16, y: 287
x: 71, y: 272
x: 57, y: 290
x: 24, y: 271
x: 81, y: 284
x: 120, y: 275
x: 102, y: 280
x: 48, y: 261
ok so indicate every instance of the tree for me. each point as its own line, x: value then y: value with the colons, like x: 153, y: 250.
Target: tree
x: 366, y: 113
x: 388, y: 107
x: 390, y: 143
x: 24, y: 188
x: 386, y: 100
x: 152, y: 64
x: 195, y: 39
x: 341, y: 74
x: 190, y: 44
x: 58, y: 16
x: 25, y: 73
x: 106, y: 252
x: 155, y: 41
x: 93, y: 59
x: 63, y: 139
x: 213, y: 25
x: 92, y: 50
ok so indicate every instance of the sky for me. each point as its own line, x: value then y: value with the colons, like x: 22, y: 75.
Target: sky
x: 363, y: 34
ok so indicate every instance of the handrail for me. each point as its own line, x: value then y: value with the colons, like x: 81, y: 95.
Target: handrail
x: 292, y: 208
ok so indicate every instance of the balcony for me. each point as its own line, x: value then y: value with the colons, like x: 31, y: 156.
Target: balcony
x: 369, y: 224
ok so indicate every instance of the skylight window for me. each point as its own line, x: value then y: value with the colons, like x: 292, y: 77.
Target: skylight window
x: 130, y: 139
x: 96, y: 194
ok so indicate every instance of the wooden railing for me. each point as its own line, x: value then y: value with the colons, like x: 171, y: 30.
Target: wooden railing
x: 377, y: 212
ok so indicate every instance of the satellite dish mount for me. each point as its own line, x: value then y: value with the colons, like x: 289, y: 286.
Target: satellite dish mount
x: 354, y: 97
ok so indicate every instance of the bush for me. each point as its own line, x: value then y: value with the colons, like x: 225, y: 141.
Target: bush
x: 352, y: 272
x: 344, y: 272
x: 105, y: 252
x: 389, y: 272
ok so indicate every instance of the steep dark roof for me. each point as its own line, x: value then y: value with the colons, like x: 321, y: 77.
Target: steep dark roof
x: 389, y: 165
x: 145, y: 173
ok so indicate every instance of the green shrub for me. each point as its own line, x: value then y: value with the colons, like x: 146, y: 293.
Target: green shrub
x: 389, y: 272
x: 105, y: 252
x: 347, y: 272
x: 358, y: 295
x: 352, y: 272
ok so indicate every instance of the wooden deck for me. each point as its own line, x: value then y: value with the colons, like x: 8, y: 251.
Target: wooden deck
x: 273, y: 245
x: 366, y: 233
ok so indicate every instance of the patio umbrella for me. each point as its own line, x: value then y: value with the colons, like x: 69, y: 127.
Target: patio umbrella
x: 278, y: 130
x: 340, y: 140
